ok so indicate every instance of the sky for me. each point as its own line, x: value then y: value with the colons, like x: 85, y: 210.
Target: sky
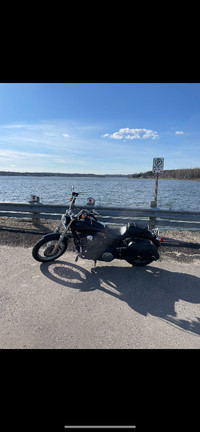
x: 100, y: 128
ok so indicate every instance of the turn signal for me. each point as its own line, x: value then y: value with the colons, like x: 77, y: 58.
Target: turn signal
x: 70, y: 199
x: 82, y: 216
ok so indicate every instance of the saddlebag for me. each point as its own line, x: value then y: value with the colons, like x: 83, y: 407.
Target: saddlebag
x: 143, y: 248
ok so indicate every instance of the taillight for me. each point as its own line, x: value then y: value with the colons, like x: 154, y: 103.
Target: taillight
x: 160, y: 239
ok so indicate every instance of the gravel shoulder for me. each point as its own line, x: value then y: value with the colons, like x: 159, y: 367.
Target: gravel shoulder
x: 178, y: 245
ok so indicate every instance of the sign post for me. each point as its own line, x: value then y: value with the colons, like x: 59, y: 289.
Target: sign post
x: 158, y: 164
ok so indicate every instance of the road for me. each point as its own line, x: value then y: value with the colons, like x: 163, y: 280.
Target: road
x: 63, y: 305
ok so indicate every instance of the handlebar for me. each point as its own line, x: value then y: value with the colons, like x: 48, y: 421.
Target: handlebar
x: 74, y: 195
x: 87, y: 212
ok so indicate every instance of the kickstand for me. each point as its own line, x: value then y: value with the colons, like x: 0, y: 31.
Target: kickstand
x: 93, y: 270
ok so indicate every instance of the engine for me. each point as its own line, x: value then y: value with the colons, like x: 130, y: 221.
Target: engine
x: 96, y: 247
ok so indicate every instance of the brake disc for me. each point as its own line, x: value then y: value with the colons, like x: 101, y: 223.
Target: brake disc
x: 48, y: 251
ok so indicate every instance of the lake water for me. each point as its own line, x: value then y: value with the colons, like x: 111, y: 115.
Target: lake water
x: 172, y: 194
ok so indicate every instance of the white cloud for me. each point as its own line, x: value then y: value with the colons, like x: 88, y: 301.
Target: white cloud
x: 148, y: 133
x: 65, y: 135
x: 12, y: 154
x: 12, y: 126
x: 130, y: 134
x: 117, y: 135
x: 179, y: 133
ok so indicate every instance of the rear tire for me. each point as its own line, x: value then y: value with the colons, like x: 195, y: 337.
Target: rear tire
x: 43, y: 248
x: 139, y: 262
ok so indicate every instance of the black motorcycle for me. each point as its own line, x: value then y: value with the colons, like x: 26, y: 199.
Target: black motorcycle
x: 93, y: 240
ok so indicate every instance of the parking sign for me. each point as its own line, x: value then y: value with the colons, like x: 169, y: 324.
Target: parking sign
x: 158, y: 164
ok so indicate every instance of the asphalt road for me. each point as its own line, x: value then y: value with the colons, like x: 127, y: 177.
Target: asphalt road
x: 63, y: 305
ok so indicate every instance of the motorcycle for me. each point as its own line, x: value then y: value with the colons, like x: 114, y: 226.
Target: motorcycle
x: 95, y: 241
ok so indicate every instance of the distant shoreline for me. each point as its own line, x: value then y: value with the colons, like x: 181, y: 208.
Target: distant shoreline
x: 48, y: 174
x: 166, y: 178
x: 192, y: 174
x: 174, y: 174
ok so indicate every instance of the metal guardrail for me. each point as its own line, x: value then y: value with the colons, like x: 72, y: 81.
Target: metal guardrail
x: 115, y: 215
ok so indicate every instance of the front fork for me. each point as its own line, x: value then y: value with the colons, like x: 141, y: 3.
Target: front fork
x: 61, y: 238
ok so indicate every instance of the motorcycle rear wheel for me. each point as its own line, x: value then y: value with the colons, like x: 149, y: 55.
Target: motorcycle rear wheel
x: 139, y: 262
x: 42, y: 251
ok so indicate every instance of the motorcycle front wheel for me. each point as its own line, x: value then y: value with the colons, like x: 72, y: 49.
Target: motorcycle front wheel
x: 43, y: 249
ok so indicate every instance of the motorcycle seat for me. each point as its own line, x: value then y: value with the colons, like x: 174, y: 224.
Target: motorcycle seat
x: 116, y: 233
x: 130, y: 229
x: 135, y: 228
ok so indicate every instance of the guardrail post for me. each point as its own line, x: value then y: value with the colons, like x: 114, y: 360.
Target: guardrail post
x: 152, y: 220
x: 36, y: 220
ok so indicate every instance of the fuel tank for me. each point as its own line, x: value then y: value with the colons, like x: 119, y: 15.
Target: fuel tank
x: 89, y: 225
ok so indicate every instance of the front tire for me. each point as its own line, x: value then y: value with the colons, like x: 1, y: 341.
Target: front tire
x: 43, y: 249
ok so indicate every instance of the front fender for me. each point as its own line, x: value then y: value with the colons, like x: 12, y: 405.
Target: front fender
x: 56, y: 236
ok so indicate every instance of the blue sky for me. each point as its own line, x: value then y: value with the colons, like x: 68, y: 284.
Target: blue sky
x: 114, y: 128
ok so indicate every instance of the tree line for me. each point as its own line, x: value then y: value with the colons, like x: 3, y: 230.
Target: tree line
x: 179, y: 174
x: 49, y: 174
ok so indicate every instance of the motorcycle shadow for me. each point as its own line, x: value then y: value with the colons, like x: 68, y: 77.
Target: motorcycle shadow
x: 147, y: 290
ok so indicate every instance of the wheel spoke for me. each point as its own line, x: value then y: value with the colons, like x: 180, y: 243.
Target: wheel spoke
x: 47, y: 249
